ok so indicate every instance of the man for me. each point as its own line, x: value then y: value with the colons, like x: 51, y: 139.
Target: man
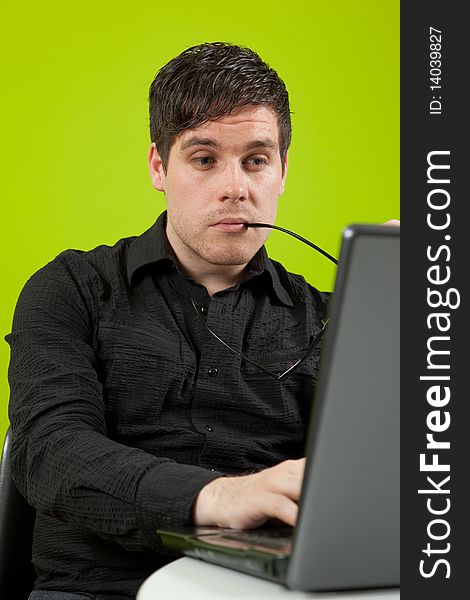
x: 128, y: 411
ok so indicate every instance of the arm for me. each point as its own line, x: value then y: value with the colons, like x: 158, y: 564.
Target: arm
x: 62, y: 460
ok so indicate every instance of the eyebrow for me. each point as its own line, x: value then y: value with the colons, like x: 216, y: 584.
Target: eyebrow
x: 264, y: 143
x: 197, y: 141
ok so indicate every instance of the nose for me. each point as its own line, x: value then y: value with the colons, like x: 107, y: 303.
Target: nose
x: 234, y: 183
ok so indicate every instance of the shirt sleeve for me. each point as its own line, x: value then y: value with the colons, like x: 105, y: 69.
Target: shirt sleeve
x: 62, y: 460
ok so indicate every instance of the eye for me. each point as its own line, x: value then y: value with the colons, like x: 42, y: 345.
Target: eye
x: 256, y: 162
x: 203, y: 162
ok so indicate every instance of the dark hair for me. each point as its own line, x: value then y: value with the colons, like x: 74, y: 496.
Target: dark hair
x: 209, y: 81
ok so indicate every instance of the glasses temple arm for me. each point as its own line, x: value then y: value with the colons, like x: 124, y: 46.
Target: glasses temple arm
x: 298, y: 237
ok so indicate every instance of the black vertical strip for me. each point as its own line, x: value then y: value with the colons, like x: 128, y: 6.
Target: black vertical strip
x: 435, y: 300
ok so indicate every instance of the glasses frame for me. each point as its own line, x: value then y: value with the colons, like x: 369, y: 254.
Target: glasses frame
x: 315, y: 340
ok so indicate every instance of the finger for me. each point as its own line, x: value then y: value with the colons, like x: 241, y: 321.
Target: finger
x: 282, y: 508
x: 287, y: 485
x: 295, y: 466
x: 292, y: 467
x: 287, y: 478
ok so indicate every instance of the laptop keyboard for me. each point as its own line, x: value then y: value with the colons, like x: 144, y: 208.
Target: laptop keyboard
x: 272, y: 538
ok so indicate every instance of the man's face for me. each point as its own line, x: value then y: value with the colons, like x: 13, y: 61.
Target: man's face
x: 220, y: 175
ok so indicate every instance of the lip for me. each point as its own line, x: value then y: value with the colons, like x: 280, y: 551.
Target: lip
x: 231, y: 221
x: 230, y: 224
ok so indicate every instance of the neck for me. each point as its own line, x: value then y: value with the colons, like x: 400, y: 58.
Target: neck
x: 216, y: 279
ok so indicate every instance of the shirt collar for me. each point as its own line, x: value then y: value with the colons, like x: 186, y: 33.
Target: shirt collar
x: 152, y: 247
x: 262, y: 264
x: 149, y: 248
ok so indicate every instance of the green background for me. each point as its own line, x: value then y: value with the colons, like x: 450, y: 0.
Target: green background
x: 75, y: 126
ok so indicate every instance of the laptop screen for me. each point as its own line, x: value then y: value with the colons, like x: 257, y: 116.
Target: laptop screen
x: 348, y: 528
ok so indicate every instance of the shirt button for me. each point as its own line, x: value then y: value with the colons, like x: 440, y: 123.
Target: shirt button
x: 213, y: 371
x: 209, y: 428
x: 204, y: 310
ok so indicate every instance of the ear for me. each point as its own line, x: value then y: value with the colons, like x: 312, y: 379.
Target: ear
x: 284, y: 175
x: 157, y: 173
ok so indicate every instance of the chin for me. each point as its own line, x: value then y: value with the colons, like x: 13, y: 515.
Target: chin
x: 230, y: 257
x: 229, y: 261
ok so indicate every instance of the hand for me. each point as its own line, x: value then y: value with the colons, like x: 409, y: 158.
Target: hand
x: 250, y: 500
x: 394, y: 222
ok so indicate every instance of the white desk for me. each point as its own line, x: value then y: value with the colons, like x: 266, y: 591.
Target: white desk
x: 189, y: 578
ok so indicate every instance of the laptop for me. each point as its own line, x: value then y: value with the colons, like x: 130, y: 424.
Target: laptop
x: 348, y: 529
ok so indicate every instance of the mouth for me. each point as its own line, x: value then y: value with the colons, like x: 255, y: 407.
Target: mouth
x: 229, y: 224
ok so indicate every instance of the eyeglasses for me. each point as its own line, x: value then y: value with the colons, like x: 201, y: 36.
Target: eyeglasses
x: 314, y: 340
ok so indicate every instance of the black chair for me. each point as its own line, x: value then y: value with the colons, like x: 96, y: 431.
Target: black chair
x: 16, y: 532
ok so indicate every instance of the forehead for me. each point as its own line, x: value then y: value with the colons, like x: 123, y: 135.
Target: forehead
x: 242, y: 125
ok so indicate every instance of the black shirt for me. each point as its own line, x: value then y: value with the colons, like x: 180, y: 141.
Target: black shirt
x: 123, y: 406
